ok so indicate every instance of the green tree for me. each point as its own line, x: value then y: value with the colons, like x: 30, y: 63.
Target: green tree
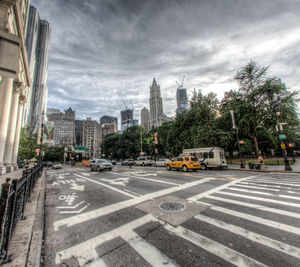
x: 27, y: 145
x: 262, y: 102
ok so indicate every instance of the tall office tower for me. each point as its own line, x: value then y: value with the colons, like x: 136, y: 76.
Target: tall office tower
x: 64, y: 127
x: 14, y: 78
x: 145, y: 118
x: 157, y: 117
x: 92, y: 137
x: 182, y: 100
x: 127, y: 119
x: 38, y: 39
x: 108, y: 120
x: 78, y: 132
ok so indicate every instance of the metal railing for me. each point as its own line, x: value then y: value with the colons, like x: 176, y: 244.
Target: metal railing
x: 14, y: 197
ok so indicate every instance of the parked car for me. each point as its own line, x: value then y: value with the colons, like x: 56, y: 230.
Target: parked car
x: 161, y: 163
x: 144, y: 161
x: 48, y: 163
x: 56, y: 165
x: 185, y: 163
x: 101, y: 164
x: 113, y: 161
x: 128, y: 162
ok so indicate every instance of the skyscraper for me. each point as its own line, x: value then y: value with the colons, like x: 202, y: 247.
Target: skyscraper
x: 182, y: 100
x: 157, y: 117
x: 108, y: 120
x: 127, y: 119
x: 145, y: 118
x: 37, y: 41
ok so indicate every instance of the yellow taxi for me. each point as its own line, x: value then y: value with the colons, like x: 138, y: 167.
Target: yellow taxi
x: 185, y: 163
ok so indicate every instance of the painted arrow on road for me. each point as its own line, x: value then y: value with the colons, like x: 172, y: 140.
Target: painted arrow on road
x: 73, y: 207
x: 77, y: 187
x: 119, y: 181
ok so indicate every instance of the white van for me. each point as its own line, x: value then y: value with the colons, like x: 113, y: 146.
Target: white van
x: 143, y: 161
x: 210, y: 157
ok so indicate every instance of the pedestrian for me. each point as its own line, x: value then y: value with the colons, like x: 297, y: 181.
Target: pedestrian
x: 261, y: 161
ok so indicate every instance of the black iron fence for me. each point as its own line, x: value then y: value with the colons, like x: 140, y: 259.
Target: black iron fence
x: 14, y: 197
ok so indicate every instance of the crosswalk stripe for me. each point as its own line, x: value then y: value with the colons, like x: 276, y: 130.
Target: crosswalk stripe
x: 268, y: 186
x: 83, y: 249
x: 255, y: 187
x: 214, y: 190
x: 277, y: 180
x: 80, y: 218
x: 213, y: 247
x: 266, y: 241
x: 256, y: 219
x: 264, y: 193
x: 150, y: 253
x: 262, y: 199
x: 259, y: 207
x: 271, y: 183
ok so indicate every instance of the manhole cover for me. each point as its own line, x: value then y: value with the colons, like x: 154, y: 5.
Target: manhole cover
x: 172, y: 206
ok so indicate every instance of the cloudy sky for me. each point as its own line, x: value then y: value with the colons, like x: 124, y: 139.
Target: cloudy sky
x: 106, y: 51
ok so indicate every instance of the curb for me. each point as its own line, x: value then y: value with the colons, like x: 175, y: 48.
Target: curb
x: 267, y: 171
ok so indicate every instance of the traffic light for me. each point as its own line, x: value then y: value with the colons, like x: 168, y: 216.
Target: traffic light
x: 155, y: 138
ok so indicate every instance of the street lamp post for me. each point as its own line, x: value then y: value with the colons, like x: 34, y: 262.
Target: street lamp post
x: 237, y: 138
x: 41, y: 138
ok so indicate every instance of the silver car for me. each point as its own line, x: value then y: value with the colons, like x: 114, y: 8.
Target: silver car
x: 101, y: 164
x: 161, y: 163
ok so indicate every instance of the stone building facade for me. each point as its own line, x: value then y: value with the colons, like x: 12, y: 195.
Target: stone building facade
x: 91, y: 137
x: 14, y: 78
x: 64, y: 127
x: 157, y: 116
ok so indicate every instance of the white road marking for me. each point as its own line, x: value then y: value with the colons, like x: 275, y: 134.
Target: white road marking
x: 272, y: 183
x: 147, y: 179
x: 132, y: 192
x: 96, y: 263
x: 255, y: 187
x: 264, y: 193
x: 74, y: 211
x: 256, y: 219
x: 213, y: 247
x: 259, y: 207
x: 77, y: 187
x: 85, y: 174
x: 214, y: 190
x: 108, y: 186
x: 263, y: 240
x: 120, y: 181
x: 82, y: 250
x: 71, y: 207
x: 124, y: 204
x: 150, y: 253
x: 268, y: 186
x: 262, y: 199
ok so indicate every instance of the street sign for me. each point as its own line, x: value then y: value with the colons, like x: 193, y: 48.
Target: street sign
x: 283, y: 146
x: 282, y: 137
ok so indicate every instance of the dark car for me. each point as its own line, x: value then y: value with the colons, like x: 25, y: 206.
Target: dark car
x: 113, y: 161
x: 128, y: 162
x: 48, y: 163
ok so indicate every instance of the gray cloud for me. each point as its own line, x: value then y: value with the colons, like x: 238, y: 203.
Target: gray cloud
x: 104, y: 51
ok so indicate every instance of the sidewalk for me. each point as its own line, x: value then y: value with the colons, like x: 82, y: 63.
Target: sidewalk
x: 26, y: 244
x: 269, y: 168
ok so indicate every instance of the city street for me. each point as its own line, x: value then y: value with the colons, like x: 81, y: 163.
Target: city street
x: 147, y: 216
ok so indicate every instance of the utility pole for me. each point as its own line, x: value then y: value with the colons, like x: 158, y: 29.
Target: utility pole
x: 237, y: 138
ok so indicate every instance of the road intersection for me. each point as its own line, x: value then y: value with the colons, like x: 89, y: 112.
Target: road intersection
x: 220, y: 218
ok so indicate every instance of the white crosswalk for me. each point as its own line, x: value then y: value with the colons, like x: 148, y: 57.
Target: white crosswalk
x: 225, y: 201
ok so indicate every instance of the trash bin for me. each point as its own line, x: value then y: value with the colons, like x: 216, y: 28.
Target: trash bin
x: 251, y: 165
x: 258, y: 166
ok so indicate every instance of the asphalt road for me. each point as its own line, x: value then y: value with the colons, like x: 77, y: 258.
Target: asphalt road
x: 148, y: 216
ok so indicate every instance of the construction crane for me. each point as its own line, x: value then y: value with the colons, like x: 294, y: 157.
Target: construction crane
x: 125, y: 104
x: 180, y: 86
